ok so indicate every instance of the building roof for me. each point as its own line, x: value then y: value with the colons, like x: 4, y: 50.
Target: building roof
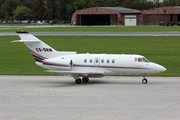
x: 121, y: 9
x: 163, y: 10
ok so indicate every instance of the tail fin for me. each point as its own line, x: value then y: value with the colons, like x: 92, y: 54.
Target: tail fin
x: 39, y: 49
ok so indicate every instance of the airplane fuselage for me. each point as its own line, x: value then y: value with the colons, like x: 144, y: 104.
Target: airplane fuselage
x: 102, y: 64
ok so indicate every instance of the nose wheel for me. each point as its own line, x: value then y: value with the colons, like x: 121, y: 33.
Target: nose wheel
x: 144, y: 81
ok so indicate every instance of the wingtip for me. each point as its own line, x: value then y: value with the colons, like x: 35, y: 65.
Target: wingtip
x: 16, y: 41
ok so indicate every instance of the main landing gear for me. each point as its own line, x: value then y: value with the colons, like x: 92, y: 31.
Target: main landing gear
x: 78, y: 81
x: 84, y: 79
x: 144, y: 81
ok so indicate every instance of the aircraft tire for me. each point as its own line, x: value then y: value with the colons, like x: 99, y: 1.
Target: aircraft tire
x: 144, y: 81
x: 85, y: 79
x: 78, y: 81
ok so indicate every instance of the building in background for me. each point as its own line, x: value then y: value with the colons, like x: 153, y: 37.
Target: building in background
x: 107, y: 16
x: 161, y: 14
x: 125, y: 16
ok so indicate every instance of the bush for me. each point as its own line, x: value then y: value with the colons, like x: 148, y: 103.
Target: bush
x: 55, y: 21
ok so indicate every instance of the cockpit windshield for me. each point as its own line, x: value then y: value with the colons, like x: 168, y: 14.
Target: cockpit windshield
x: 143, y: 59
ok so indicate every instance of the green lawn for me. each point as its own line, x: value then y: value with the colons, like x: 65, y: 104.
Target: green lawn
x: 101, y: 29
x: 16, y: 59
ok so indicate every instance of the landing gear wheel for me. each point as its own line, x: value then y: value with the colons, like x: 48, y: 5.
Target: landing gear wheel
x: 85, y: 79
x: 78, y: 81
x: 144, y: 81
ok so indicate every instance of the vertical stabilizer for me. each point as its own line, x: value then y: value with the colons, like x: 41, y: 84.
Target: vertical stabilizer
x: 39, y: 49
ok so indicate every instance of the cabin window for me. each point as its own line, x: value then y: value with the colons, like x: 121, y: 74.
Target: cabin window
x: 96, y: 60
x: 85, y: 60
x: 102, y: 61
x: 139, y: 60
x: 135, y: 59
x: 90, y: 60
x: 107, y: 60
x: 113, y: 61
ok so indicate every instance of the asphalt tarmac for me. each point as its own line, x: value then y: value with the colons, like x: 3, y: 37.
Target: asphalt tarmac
x: 98, y: 33
x: 107, y: 98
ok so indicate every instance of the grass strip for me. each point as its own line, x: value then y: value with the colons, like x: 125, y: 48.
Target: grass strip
x: 100, y: 29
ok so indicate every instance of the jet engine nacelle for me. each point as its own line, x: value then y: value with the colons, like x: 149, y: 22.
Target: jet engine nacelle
x: 58, y: 63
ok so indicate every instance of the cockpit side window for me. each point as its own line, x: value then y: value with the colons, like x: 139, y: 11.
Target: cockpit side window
x: 139, y: 60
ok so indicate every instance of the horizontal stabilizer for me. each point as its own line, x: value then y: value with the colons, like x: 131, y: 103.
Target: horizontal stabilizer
x: 26, y: 41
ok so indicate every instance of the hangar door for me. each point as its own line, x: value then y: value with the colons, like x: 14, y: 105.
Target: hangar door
x: 93, y: 19
x: 153, y: 19
x: 100, y: 19
x: 130, y: 20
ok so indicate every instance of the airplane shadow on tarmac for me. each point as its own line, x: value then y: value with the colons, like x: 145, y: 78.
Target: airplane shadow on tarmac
x: 62, y: 83
x: 93, y: 82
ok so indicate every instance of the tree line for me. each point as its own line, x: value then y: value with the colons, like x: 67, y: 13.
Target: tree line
x: 62, y: 10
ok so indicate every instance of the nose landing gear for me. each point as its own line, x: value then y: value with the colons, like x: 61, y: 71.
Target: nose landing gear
x: 144, y: 81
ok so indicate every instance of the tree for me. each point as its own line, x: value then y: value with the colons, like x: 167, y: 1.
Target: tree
x: 171, y: 2
x: 149, y: 5
x: 1, y: 2
x: 120, y: 2
x: 51, y: 9
x: 8, y: 7
x: 62, y: 8
x: 97, y: 3
x: 27, y: 3
x: 39, y: 10
x: 136, y: 4
x: 111, y: 3
x: 158, y: 4
x: 22, y: 13
x: 76, y: 5
x: 127, y: 3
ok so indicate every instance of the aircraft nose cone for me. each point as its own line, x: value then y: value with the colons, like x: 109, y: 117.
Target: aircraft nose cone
x: 161, y: 68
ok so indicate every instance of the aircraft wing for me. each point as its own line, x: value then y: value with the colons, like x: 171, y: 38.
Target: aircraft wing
x: 84, y: 73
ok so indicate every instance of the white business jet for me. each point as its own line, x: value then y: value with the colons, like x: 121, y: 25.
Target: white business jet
x: 87, y: 65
